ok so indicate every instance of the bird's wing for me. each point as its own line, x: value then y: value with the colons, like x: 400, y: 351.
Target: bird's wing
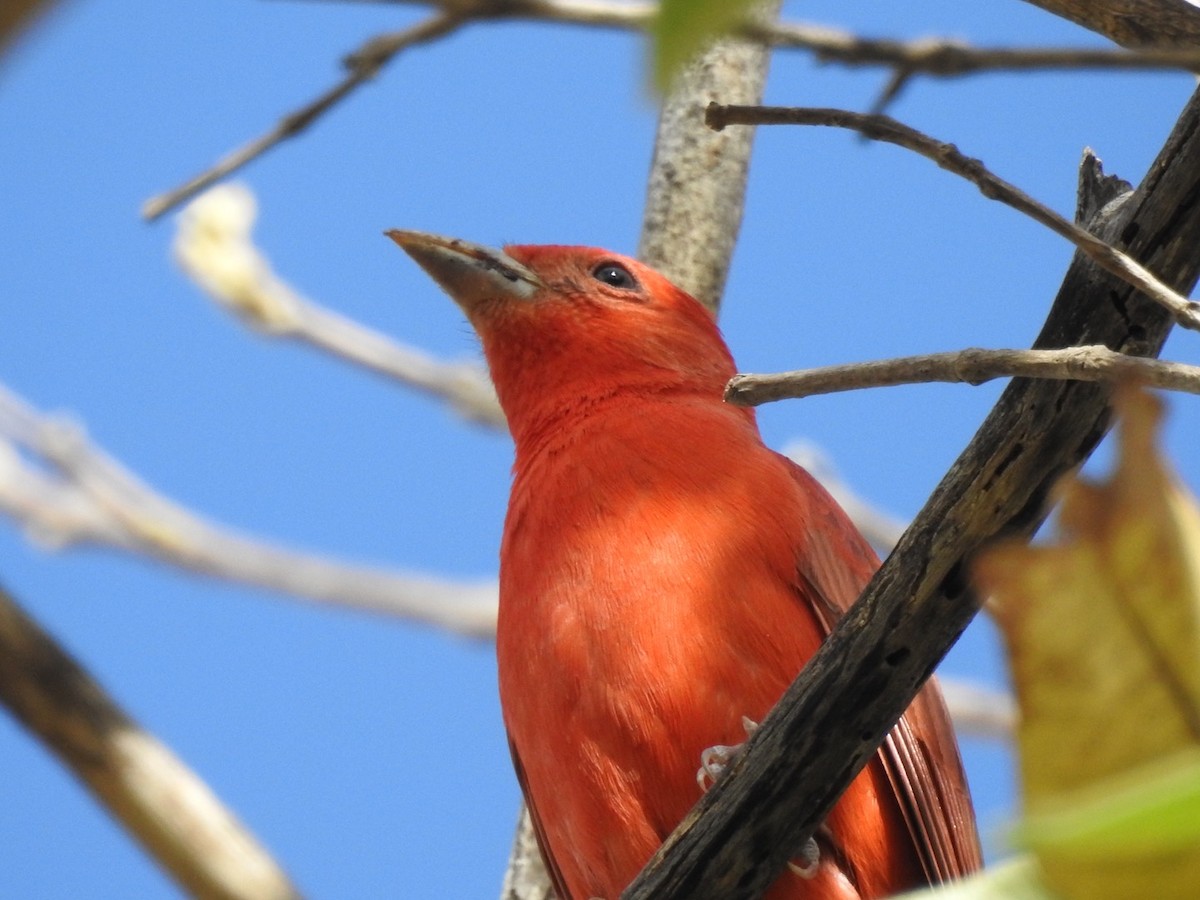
x: 560, y: 886
x: 920, y: 755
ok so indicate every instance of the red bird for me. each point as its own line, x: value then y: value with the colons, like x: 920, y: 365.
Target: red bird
x: 663, y: 574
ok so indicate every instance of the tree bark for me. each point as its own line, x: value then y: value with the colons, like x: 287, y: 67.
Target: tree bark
x: 1133, y: 23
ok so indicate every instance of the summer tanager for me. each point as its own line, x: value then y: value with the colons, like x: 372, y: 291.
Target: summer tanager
x: 664, y: 574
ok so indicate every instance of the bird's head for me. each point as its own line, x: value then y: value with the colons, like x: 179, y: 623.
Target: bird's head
x: 560, y: 325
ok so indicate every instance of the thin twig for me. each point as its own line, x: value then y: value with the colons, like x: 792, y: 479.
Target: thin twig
x: 943, y: 57
x: 214, y: 247
x: 932, y: 56
x: 82, y: 495
x: 972, y: 366
x: 948, y: 157
x: 364, y: 64
x: 162, y: 803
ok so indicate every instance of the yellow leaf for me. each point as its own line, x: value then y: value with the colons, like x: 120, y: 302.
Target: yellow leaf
x: 1103, y: 633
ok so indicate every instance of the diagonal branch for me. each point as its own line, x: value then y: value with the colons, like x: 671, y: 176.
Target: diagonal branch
x: 87, y: 496
x: 214, y: 247
x: 364, y: 64
x: 973, y: 366
x: 829, y: 723
x: 161, y: 802
x: 948, y: 157
x: 1133, y: 23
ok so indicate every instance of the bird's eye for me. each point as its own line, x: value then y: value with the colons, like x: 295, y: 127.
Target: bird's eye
x: 615, y: 276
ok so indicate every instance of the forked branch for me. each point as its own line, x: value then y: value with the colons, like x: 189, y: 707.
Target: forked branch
x: 950, y: 158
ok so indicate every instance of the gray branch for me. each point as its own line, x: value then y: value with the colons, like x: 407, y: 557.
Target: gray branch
x: 162, y: 803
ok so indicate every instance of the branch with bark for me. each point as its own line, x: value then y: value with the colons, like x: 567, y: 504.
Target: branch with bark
x: 829, y: 723
x: 1133, y: 23
x: 970, y: 366
x: 161, y: 802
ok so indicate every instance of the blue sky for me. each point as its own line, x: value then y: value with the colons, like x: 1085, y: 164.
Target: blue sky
x: 367, y: 754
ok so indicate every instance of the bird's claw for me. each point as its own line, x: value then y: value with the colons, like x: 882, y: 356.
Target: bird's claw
x: 807, y: 862
x: 715, y: 760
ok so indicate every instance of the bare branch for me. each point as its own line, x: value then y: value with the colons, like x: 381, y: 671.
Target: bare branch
x: 214, y: 247
x: 973, y: 366
x: 87, y: 496
x: 948, y: 157
x: 978, y: 710
x: 364, y: 64
x: 162, y: 803
x: 881, y: 529
x: 526, y: 877
x: 1133, y: 23
x: 943, y: 57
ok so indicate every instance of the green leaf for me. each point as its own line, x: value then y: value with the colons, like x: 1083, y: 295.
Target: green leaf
x: 685, y: 27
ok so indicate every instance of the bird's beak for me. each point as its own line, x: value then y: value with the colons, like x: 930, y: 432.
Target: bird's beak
x: 469, y: 273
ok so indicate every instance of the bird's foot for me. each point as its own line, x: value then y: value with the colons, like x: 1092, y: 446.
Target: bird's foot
x: 807, y: 862
x: 715, y: 760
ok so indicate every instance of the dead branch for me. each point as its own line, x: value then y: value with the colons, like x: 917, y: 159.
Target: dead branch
x: 972, y: 366
x: 162, y: 803
x: 740, y: 835
x: 948, y: 157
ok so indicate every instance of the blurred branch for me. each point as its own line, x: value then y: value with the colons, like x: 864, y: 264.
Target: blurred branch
x: 948, y: 157
x: 1133, y: 23
x: 214, y: 247
x: 81, y: 495
x: 973, y: 366
x: 931, y: 56
x: 162, y: 803
x: 17, y: 16
x: 363, y: 65
x: 880, y: 528
x: 978, y: 710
